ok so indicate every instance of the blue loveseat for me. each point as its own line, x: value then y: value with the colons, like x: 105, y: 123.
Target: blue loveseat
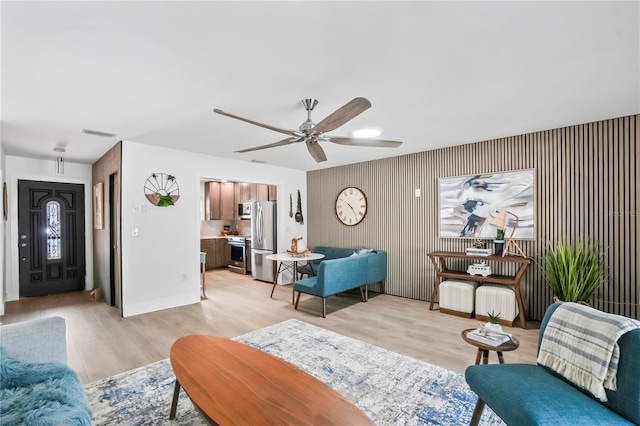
x: 36, y: 385
x: 340, y: 270
x: 529, y: 394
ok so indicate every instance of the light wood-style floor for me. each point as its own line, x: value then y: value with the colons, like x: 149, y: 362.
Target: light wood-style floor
x: 101, y: 344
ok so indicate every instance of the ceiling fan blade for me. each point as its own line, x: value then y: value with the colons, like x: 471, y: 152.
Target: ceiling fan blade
x: 286, y: 141
x: 347, y: 112
x: 266, y: 126
x: 316, y: 151
x: 377, y: 143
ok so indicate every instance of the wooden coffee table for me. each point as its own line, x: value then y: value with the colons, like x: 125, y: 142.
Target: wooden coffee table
x: 232, y: 383
x: 483, y: 349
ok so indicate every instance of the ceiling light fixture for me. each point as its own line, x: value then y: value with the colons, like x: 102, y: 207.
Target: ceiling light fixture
x: 367, y: 133
x: 98, y: 133
x: 59, y: 161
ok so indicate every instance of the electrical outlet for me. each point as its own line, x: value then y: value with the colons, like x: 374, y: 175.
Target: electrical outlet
x: 418, y: 192
x: 134, y: 232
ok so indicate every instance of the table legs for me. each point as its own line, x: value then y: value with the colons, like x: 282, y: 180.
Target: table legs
x: 277, y: 274
x: 174, y: 402
x: 484, y: 354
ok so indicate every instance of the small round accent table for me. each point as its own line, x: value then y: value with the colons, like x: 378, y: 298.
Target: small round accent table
x: 483, y: 349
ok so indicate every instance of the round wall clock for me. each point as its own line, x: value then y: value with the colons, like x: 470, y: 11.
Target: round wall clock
x: 351, y: 206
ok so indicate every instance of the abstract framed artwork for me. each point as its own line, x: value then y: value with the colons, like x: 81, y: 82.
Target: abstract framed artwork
x: 98, y: 206
x: 468, y: 204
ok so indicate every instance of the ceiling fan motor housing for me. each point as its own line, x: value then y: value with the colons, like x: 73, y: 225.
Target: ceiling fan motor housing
x: 309, y: 104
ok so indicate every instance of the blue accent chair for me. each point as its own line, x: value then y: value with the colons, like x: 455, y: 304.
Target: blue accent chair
x: 529, y: 394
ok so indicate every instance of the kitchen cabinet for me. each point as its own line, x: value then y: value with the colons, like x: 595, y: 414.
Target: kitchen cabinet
x: 245, y: 192
x: 219, y: 199
x: 212, y: 200
x: 228, y: 205
x: 273, y: 193
x: 267, y: 192
x: 222, y: 254
x: 218, y: 253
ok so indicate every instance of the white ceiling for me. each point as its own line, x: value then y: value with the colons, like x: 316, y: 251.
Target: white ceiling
x: 437, y: 73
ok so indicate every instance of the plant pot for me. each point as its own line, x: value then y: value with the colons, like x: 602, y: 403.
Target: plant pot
x: 493, y: 327
x: 498, y: 247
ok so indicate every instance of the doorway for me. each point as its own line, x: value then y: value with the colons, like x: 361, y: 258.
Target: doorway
x: 115, y: 270
x: 51, y: 237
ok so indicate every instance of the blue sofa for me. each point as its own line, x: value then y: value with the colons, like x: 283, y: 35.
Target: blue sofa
x: 529, y: 394
x: 340, y: 271
x: 36, y: 385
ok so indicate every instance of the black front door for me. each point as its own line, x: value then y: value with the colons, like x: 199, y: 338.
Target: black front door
x: 50, y: 237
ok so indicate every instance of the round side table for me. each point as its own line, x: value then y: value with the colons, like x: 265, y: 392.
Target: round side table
x: 483, y: 349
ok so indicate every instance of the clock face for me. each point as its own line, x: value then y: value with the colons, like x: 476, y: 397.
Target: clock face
x: 351, y: 206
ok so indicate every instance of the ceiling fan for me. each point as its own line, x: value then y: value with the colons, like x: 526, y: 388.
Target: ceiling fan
x: 311, y: 134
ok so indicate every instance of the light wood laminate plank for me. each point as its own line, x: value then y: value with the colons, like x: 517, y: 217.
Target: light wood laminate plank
x: 101, y: 344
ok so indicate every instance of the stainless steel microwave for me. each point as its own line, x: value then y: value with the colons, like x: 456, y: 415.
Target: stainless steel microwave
x: 244, y: 211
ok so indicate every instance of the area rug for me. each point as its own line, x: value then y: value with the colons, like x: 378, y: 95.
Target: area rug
x: 390, y: 388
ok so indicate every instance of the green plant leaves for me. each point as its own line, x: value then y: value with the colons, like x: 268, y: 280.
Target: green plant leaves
x: 575, y: 270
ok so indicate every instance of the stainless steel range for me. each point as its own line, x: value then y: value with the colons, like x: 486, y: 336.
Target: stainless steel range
x: 240, y: 257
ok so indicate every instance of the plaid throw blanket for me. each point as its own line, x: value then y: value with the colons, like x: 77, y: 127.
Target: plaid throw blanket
x: 580, y: 344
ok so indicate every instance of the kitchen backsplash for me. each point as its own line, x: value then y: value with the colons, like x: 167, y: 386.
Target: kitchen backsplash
x: 214, y: 228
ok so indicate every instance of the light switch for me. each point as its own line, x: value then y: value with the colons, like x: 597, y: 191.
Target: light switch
x: 134, y: 232
x: 135, y: 208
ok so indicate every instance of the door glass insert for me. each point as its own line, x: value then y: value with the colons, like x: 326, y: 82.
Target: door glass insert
x: 54, y: 242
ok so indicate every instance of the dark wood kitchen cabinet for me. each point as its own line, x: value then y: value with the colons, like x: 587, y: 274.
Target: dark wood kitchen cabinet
x: 222, y: 255
x: 267, y: 192
x: 228, y: 206
x: 245, y: 192
x: 218, y: 253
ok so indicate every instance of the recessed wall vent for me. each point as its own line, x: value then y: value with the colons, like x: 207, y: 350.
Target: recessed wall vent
x: 98, y: 133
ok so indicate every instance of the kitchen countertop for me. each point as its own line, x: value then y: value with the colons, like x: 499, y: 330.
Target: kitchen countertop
x: 213, y: 237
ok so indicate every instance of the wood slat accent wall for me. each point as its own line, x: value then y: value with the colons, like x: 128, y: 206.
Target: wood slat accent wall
x: 586, y: 184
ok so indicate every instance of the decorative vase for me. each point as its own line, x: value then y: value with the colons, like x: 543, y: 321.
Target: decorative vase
x: 498, y: 246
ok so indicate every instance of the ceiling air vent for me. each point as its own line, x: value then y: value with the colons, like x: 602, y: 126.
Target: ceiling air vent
x: 97, y: 133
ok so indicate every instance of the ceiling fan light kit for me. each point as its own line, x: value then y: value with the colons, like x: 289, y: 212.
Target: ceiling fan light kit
x: 311, y: 133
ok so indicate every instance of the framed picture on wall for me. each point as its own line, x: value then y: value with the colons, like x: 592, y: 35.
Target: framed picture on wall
x: 468, y: 204
x: 98, y: 206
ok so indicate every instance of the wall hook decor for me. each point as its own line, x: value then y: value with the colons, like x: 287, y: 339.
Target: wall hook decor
x: 161, y: 189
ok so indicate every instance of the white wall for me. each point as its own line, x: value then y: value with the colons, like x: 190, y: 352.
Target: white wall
x: 160, y: 267
x: 19, y: 168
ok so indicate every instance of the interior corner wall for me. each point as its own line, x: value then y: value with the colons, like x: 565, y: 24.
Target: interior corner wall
x: 161, y: 265
x: 101, y: 170
x: 586, y: 184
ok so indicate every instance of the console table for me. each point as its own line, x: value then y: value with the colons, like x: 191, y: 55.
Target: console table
x: 444, y: 273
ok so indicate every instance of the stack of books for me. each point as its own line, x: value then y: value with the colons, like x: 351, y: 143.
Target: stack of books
x: 490, y: 338
x: 474, y: 251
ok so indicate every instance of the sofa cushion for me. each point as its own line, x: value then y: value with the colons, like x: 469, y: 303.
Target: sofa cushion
x: 626, y: 398
x: 526, y: 394
x: 307, y: 285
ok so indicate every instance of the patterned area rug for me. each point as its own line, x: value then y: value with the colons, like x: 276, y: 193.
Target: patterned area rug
x: 390, y: 388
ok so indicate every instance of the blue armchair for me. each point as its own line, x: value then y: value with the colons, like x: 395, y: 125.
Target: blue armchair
x: 530, y: 394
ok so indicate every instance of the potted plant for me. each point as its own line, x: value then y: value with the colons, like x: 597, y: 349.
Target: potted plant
x: 494, y: 321
x: 574, y: 270
x: 498, y: 243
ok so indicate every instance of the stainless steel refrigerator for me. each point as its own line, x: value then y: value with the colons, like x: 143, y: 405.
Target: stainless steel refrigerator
x: 263, y: 239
